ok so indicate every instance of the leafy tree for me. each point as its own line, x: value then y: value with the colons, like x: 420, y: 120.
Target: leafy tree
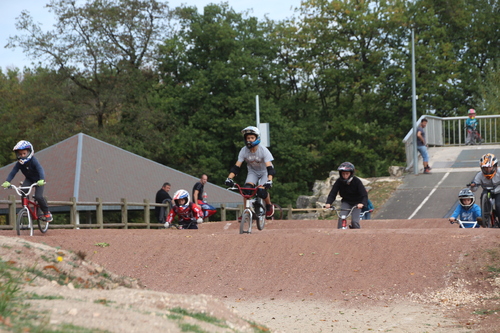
x: 100, y: 46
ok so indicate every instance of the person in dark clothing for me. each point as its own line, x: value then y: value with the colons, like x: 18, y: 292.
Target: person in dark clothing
x: 161, y: 196
x: 352, y: 191
x: 200, y: 200
x: 33, y: 171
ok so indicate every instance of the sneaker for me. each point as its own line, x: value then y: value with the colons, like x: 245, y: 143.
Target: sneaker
x: 427, y: 171
x: 429, y: 168
x: 269, y: 210
x: 48, y: 217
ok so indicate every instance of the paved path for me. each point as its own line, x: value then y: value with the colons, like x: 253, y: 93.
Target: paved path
x: 435, y: 195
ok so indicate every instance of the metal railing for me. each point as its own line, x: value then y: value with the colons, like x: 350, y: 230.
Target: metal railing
x: 450, y: 131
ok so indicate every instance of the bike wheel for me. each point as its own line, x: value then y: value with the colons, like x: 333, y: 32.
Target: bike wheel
x: 246, y: 222
x: 486, y: 210
x: 43, y: 225
x: 23, y: 226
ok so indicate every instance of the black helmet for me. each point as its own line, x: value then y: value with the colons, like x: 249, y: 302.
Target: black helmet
x: 349, y: 167
x: 466, y: 194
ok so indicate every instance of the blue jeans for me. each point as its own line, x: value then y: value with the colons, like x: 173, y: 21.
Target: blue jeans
x: 423, y: 151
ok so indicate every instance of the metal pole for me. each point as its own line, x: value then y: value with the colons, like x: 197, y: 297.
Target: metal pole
x: 414, y: 104
x: 257, y: 109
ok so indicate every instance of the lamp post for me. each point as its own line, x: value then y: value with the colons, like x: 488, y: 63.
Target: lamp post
x: 414, y: 104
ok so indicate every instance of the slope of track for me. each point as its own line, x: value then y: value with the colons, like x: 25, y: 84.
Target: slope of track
x: 290, y: 260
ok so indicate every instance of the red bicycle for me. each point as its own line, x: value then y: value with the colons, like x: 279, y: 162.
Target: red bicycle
x: 254, y: 209
x: 29, y: 212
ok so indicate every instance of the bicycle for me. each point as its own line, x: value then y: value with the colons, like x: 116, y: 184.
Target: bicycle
x: 474, y: 137
x: 343, y: 217
x: 278, y: 213
x: 29, y: 212
x: 489, y: 214
x: 254, y: 209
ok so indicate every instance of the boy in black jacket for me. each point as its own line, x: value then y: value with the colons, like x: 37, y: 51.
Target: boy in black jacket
x: 352, y: 191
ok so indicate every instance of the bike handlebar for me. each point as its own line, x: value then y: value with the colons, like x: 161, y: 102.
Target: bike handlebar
x: 241, y: 189
x: 18, y: 189
x: 338, y: 210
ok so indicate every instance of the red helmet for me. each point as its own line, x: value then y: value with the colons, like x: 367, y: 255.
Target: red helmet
x: 181, y: 194
x: 472, y: 111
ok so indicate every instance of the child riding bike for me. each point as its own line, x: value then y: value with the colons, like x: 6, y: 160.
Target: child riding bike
x: 467, y: 210
x: 352, y: 191
x: 259, y: 164
x: 33, y: 171
x: 488, y: 177
x: 189, y: 213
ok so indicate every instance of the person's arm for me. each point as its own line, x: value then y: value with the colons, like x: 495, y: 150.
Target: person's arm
x: 364, y: 195
x: 476, y: 182
x: 235, y: 170
x: 171, y: 215
x: 13, y: 172
x: 420, y: 137
x: 455, y: 214
x: 333, y: 194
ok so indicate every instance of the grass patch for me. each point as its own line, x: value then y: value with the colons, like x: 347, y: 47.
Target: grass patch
x: 199, y: 316
x: 380, y: 192
x: 35, y: 296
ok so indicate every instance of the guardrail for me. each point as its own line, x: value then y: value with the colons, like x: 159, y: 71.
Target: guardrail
x: 450, y: 131
x: 13, y: 205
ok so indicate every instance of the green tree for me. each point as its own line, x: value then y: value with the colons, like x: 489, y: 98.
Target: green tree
x: 100, y: 46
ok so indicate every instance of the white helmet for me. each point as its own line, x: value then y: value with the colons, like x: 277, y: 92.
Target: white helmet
x: 21, y: 145
x: 251, y: 130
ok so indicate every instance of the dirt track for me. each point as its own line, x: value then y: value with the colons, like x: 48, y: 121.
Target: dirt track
x: 308, y: 261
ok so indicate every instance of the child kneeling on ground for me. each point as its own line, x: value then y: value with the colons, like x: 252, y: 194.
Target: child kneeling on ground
x: 190, y: 215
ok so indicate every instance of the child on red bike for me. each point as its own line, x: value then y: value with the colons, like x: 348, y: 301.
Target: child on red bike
x: 34, y: 173
x: 259, y: 164
x: 352, y: 191
x: 467, y: 210
x: 189, y: 214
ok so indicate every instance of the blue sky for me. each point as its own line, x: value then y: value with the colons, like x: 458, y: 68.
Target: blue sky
x: 11, y: 9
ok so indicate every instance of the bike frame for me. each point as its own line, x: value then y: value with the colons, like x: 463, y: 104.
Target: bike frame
x: 492, y: 220
x: 248, y: 207
x: 30, y: 206
x: 343, y: 217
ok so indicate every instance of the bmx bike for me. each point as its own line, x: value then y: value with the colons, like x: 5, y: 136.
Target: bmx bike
x: 255, y: 209
x: 489, y: 214
x: 30, y: 211
x: 474, y: 137
x: 343, y: 215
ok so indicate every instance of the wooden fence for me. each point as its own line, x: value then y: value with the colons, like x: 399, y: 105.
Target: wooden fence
x: 13, y: 205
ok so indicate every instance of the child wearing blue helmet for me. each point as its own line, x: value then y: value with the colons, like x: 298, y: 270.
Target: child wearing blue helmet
x: 33, y: 171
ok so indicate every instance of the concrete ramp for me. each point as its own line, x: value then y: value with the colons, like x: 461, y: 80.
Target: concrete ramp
x: 428, y: 196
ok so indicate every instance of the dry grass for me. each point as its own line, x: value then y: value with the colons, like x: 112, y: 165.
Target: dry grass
x: 381, y: 191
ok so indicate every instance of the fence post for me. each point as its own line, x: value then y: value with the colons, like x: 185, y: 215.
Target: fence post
x: 241, y: 208
x: 98, y: 213
x: 147, y: 214
x: 223, y: 212
x: 124, y: 213
x: 12, y: 210
x: 72, y: 212
x: 290, y: 212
